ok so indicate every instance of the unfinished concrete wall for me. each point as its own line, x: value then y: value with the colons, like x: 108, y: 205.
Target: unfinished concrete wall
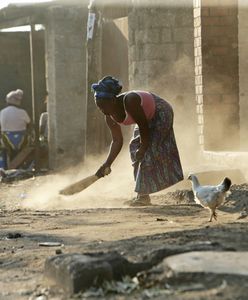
x: 66, y: 78
x: 161, y: 60
x: 217, y: 75
x: 115, y: 58
x: 107, y: 54
x: 243, y: 71
x: 15, y: 70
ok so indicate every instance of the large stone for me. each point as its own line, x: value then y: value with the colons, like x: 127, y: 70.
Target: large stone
x: 76, y: 272
x: 223, y: 262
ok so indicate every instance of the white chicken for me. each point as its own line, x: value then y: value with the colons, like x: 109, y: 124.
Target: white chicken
x: 210, y: 196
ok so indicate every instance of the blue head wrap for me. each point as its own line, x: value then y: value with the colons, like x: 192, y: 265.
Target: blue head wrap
x: 108, y: 87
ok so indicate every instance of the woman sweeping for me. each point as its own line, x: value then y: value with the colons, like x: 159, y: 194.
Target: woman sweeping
x: 153, y: 148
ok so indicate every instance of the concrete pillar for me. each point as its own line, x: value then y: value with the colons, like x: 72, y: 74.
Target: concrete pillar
x: 243, y: 69
x: 96, y: 126
x: 66, y: 79
x: 161, y: 60
x: 216, y: 74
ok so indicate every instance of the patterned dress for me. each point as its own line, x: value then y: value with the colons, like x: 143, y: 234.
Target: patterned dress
x: 14, y: 142
x: 161, y: 166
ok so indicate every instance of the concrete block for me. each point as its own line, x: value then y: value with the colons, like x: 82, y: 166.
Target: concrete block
x: 197, y: 21
x: 76, y: 272
x: 198, y: 89
x: 197, y: 32
x: 198, y: 80
x: 199, y: 109
x: 183, y: 34
x: 134, y: 52
x: 166, y: 35
x: 200, y: 129
x: 198, y: 61
x: 227, y: 20
x: 218, y: 11
x: 147, y: 36
x: 197, y: 12
x: 157, y: 18
x: 229, y: 99
x: 197, y: 51
x: 210, y: 21
x: 150, y: 68
x: 131, y: 36
x: 220, y: 51
x: 211, y: 31
x: 196, y: 3
x: 199, y: 99
x: 221, y: 85
x: 155, y: 51
x: 205, y: 11
x: 198, y: 70
x: 225, y: 263
x: 186, y: 49
x: 133, y: 20
x: 200, y: 119
x: 214, y: 99
x: 184, y: 17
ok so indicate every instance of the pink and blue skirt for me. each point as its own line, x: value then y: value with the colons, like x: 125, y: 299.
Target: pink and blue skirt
x: 161, y: 166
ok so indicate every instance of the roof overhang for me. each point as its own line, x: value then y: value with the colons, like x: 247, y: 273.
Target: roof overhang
x: 14, y: 16
x: 21, y: 14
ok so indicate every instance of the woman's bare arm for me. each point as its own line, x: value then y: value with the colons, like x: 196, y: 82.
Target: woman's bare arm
x: 115, y: 146
x: 117, y: 140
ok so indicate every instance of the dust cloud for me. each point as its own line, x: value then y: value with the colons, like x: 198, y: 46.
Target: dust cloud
x: 114, y: 189
x: 176, y: 87
x: 108, y: 192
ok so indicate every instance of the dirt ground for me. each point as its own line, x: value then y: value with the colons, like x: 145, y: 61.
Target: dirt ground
x: 173, y: 219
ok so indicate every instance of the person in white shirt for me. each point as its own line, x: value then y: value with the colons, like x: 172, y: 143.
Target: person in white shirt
x: 14, y: 122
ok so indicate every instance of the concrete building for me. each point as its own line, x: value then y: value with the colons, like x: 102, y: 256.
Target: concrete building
x: 220, y: 42
x: 192, y: 53
x: 63, y: 74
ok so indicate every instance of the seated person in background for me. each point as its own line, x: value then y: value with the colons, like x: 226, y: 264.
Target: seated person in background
x: 14, y: 122
x: 43, y: 136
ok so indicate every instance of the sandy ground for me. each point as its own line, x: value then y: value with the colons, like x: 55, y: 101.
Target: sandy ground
x: 89, y: 222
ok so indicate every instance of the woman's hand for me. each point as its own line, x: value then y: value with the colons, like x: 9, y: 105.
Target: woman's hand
x: 103, y: 171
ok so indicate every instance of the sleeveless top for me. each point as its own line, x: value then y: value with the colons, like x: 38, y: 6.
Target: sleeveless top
x: 147, y: 103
